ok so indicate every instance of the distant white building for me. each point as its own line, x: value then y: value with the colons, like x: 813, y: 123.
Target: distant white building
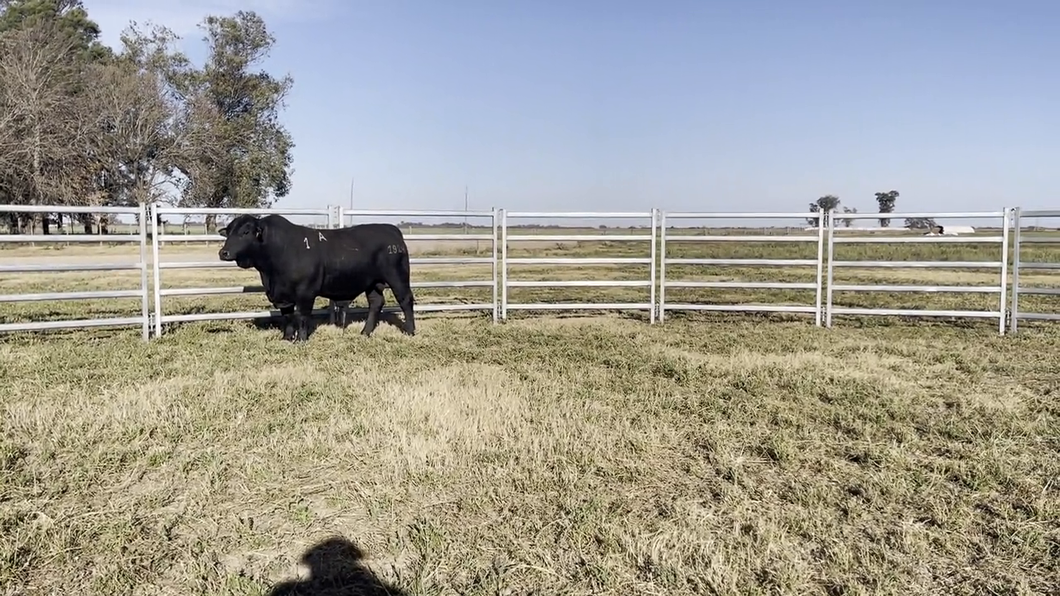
x: 946, y: 230
x: 942, y: 230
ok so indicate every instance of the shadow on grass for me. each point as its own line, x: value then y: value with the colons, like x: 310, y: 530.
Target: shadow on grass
x: 343, y: 318
x: 338, y: 317
x: 335, y: 569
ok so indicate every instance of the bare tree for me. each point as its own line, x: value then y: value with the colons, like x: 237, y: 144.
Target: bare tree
x: 129, y: 138
x: 37, y: 76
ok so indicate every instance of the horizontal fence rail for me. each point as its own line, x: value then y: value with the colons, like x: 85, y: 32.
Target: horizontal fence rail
x: 507, y: 261
x: 1000, y: 265
x: 668, y: 238
x: 1019, y: 265
x: 141, y: 265
x: 498, y: 239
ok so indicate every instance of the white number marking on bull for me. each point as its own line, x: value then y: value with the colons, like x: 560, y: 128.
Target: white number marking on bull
x: 306, y: 240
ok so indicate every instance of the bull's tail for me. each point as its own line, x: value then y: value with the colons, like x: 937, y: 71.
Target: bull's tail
x: 406, y: 272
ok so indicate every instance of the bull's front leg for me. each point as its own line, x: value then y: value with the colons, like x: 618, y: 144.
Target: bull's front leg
x: 302, y: 315
x: 287, y: 312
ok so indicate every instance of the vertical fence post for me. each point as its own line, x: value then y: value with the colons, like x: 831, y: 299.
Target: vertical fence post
x: 662, y: 266
x: 1014, y: 313
x: 654, y: 259
x: 495, y: 222
x: 504, y: 264
x: 157, y: 269
x: 820, y: 264
x: 831, y: 272
x: 331, y: 225
x: 1004, y: 270
x: 145, y: 300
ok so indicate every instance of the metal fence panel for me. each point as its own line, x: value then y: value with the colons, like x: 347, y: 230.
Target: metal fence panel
x: 1018, y: 266
x: 817, y: 238
x: 501, y: 240
x: 1001, y: 265
x: 140, y: 239
x: 507, y: 261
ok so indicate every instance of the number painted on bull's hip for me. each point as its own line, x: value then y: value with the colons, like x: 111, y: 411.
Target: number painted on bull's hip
x: 306, y: 240
x: 394, y: 249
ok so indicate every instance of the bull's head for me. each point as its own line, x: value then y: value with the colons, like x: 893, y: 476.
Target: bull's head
x: 243, y: 238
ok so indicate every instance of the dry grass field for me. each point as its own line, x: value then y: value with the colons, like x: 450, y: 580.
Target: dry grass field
x: 553, y: 454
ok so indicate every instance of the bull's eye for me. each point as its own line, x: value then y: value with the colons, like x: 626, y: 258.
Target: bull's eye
x: 246, y: 231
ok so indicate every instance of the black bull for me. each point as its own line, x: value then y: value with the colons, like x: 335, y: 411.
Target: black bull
x: 298, y: 263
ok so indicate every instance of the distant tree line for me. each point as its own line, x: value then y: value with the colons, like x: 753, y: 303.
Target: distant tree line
x: 885, y: 202
x: 82, y: 124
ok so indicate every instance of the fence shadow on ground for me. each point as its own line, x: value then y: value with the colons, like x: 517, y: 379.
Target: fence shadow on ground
x: 359, y: 317
x: 335, y: 569
x: 353, y: 318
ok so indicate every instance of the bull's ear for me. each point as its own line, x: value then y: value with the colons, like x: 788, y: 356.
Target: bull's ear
x: 223, y: 232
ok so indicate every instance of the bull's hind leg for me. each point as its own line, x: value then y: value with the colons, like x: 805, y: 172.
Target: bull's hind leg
x: 376, y: 300
x: 399, y: 284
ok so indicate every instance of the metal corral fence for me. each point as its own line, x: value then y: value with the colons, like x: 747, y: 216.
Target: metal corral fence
x: 1001, y: 265
x: 348, y: 217
x: 668, y: 238
x: 649, y: 260
x: 1019, y: 265
x: 140, y: 265
x: 500, y: 243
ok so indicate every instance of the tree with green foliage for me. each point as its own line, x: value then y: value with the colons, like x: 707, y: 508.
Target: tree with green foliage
x: 920, y: 223
x: 239, y: 154
x: 825, y: 204
x: 72, y: 25
x: 848, y: 221
x: 886, y: 201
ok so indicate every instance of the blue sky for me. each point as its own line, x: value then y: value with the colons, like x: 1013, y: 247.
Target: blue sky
x: 748, y: 105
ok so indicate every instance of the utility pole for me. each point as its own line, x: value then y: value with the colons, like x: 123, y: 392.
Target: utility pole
x: 342, y: 223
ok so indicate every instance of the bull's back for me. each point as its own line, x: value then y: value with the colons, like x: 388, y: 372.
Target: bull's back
x: 366, y: 244
x: 372, y: 235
